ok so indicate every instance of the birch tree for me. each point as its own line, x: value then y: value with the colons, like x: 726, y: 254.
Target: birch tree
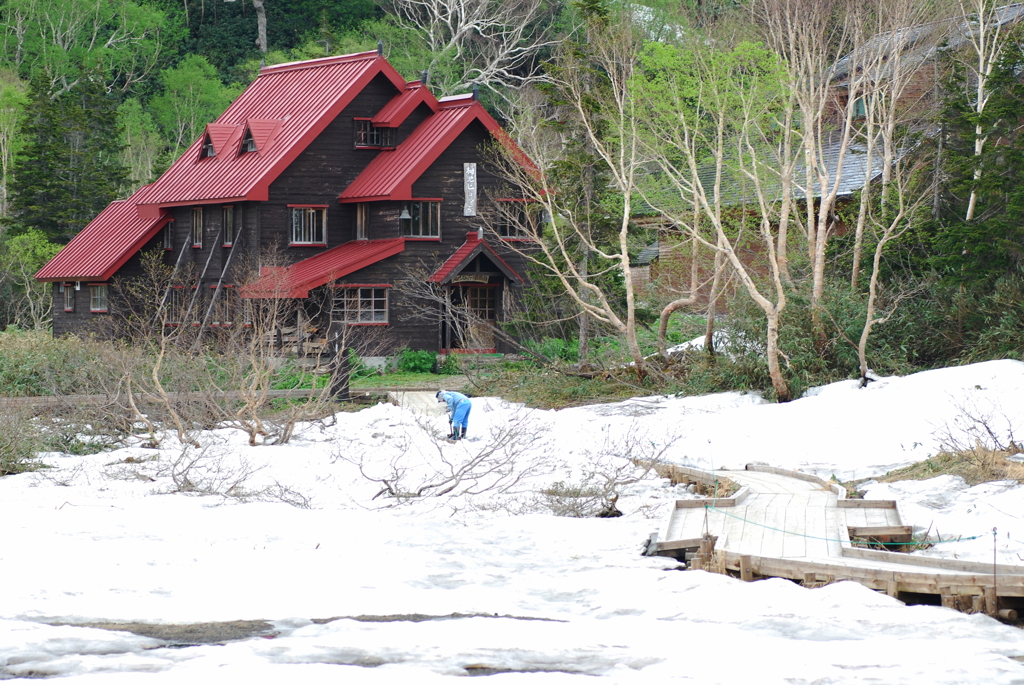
x: 595, y: 107
x: 982, y: 29
x: 490, y: 43
x: 710, y: 122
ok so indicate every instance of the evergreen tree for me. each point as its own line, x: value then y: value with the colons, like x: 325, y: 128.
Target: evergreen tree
x: 70, y: 167
x: 992, y: 243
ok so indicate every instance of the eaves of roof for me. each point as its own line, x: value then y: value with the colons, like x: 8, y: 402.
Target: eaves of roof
x: 391, y: 174
x: 401, y: 106
x: 473, y: 246
x: 297, y: 280
x: 104, y: 245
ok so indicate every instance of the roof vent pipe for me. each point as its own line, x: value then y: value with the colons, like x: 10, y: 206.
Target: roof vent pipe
x: 380, y: 48
x: 476, y: 91
x: 423, y: 78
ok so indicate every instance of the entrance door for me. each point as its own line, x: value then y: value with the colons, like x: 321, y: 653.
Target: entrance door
x: 483, y: 306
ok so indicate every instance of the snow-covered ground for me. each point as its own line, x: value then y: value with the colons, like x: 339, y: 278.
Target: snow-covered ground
x: 308, y: 531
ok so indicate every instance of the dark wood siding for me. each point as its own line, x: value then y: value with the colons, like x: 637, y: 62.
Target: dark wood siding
x: 320, y: 174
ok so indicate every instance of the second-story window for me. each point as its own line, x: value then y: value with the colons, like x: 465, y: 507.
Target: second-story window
x: 248, y: 143
x: 362, y: 220
x: 420, y: 219
x: 309, y: 226
x: 168, y: 236
x: 368, y: 135
x: 517, y: 220
x: 227, y: 217
x: 197, y: 227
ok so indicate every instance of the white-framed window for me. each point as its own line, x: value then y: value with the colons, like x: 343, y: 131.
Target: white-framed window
x: 248, y: 143
x: 168, y: 236
x: 227, y: 218
x: 98, y: 299
x: 517, y: 220
x: 368, y: 135
x: 208, y: 149
x: 361, y: 305
x: 197, y: 227
x: 224, y: 309
x: 69, y: 296
x: 309, y: 226
x: 421, y: 219
x: 174, y: 308
x: 362, y: 220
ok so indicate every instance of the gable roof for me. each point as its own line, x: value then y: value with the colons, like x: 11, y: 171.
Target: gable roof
x: 288, y: 106
x: 401, y: 106
x: 390, y: 175
x: 104, y: 245
x: 301, y: 277
x: 473, y: 246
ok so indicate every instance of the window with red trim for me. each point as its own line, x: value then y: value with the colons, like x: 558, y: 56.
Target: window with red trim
x: 368, y: 135
x: 309, y: 226
x: 420, y: 219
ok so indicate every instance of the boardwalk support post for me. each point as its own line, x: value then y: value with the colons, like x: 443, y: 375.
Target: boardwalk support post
x: 746, y: 572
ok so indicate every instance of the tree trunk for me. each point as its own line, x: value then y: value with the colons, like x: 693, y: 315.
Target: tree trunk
x: 261, y: 26
x: 583, y: 349
x: 774, y: 370
x: 716, y: 286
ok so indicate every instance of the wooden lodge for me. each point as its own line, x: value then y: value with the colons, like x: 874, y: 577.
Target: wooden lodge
x: 327, y: 181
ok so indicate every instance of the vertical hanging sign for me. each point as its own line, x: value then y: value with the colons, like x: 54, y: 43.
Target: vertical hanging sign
x: 469, y: 179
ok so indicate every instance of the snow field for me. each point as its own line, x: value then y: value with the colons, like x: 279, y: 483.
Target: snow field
x: 100, y: 539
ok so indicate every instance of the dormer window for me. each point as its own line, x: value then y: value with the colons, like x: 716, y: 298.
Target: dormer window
x: 248, y: 143
x: 368, y: 135
x: 208, y: 150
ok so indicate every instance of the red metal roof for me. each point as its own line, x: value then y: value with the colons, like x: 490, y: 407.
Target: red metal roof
x: 299, y: 278
x: 401, y: 106
x: 390, y: 175
x: 301, y: 98
x: 102, y: 247
x: 465, y: 254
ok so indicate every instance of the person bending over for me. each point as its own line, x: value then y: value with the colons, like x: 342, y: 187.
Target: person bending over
x: 458, y: 412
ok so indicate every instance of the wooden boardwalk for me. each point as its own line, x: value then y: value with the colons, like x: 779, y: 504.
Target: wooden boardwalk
x: 792, y: 525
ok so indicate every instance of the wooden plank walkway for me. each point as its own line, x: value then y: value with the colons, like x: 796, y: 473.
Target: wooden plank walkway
x: 792, y: 525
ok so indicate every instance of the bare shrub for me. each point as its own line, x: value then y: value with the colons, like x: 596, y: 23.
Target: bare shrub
x: 609, y: 469
x: 207, y: 471
x: 983, y: 435
x: 20, y: 442
x: 509, y: 455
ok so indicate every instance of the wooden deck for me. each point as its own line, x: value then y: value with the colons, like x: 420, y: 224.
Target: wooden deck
x: 792, y: 525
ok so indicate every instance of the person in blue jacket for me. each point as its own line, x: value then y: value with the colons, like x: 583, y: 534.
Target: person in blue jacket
x: 458, y: 412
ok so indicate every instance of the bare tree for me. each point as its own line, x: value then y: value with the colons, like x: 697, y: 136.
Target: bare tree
x: 709, y: 112
x: 491, y: 43
x: 497, y: 466
x: 600, y: 110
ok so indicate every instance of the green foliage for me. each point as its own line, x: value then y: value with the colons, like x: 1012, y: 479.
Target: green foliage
x: 991, y: 245
x: 557, y: 349
x: 55, y: 42
x: 192, y: 97
x: 35, y: 363
x: 13, y: 102
x: 449, y: 366
x: 292, y: 377
x: 24, y: 301
x: 69, y: 169
x: 141, y: 143
x: 416, y: 361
